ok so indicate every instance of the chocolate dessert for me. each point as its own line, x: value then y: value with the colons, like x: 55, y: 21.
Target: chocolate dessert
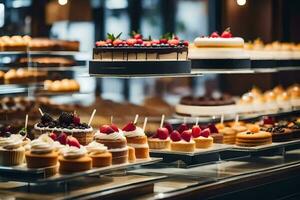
x: 207, y: 101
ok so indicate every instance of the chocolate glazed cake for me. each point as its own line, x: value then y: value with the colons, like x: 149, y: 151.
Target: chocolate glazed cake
x: 137, y: 56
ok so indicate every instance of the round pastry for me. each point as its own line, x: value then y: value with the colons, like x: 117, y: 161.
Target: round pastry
x: 160, y: 140
x: 137, y: 139
x: 66, y: 123
x: 251, y: 139
x: 99, y: 154
x: 202, y: 138
x: 229, y: 135
x: 182, y: 142
x: 41, y: 153
x: 12, y: 151
x: 74, y: 159
x: 115, y: 141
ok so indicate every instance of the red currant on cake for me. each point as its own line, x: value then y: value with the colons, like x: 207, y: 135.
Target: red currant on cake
x: 162, y: 133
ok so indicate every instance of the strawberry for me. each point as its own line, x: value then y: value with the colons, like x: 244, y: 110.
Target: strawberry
x: 215, y: 35
x: 176, y: 37
x: 131, y: 42
x: 71, y: 141
x: 175, y: 136
x: 139, y: 41
x: 182, y: 127
x: 138, y: 36
x: 226, y: 34
x: 114, y: 127
x: 129, y: 127
x: 106, y: 129
x: 169, y: 127
x: 173, y: 42
x: 163, y: 41
x: 76, y: 120
x: 186, y: 135
x: 117, y: 42
x: 162, y: 133
x: 53, y: 136
x: 62, y: 138
x: 213, y: 128
x: 205, y: 132
x: 186, y: 43
x: 101, y: 43
x: 196, y: 131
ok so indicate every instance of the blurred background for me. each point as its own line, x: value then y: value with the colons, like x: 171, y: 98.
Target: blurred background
x: 269, y: 20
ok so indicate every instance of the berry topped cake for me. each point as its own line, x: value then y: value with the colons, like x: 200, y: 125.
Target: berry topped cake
x: 68, y: 123
x: 219, y: 52
x: 139, y: 55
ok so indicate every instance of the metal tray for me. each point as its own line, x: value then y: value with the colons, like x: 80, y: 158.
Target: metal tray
x: 23, y: 174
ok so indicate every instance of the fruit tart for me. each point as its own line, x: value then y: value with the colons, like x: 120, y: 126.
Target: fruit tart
x: 182, y: 142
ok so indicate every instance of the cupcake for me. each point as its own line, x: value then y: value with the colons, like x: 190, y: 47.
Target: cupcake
x: 12, y: 151
x: 182, y: 142
x: 41, y: 153
x: 116, y: 142
x: 202, y: 138
x: 99, y: 154
x: 160, y: 140
x: 137, y: 139
x: 74, y: 159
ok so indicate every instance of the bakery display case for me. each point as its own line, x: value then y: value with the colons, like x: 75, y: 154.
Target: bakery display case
x: 215, y: 116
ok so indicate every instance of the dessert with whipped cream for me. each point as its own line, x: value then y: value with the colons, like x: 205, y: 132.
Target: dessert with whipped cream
x: 114, y: 139
x: 12, y: 151
x: 99, y: 154
x: 74, y: 159
x: 137, y: 139
x: 219, y: 51
x: 68, y: 123
x: 42, y: 153
x: 182, y: 142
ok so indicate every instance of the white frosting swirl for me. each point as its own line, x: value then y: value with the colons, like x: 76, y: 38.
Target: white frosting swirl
x: 43, y: 144
x: 58, y: 147
x: 66, y: 130
x: 14, y: 141
x: 71, y: 152
x: 138, y: 132
x: 112, y: 136
x: 95, y: 148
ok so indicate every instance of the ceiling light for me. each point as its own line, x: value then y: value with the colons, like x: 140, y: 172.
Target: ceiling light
x: 241, y: 2
x: 62, y: 2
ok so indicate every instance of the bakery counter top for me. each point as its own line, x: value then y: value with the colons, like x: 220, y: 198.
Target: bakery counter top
x: 235, y: 179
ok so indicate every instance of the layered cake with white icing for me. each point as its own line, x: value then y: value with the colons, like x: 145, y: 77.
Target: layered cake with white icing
x: 114, y: 139
x: 218, y: 52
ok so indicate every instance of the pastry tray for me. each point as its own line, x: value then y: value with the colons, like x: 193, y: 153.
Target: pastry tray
x: 273, y: 146
x: 199, y: 156
x: 214, y: 149
x: 23, y: 174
